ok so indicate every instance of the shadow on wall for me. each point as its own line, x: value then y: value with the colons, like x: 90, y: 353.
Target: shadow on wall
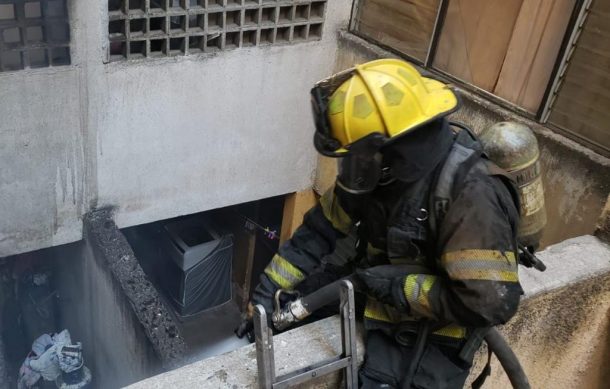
x: 573, y: 339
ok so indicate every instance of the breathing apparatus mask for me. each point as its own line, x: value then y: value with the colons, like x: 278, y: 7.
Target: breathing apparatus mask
x: 361, y: 166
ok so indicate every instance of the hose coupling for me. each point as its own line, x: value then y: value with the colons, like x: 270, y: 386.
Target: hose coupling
x: 293, y: 312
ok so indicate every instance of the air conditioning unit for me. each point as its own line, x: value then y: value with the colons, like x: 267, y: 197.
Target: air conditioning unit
x: 198, y: 270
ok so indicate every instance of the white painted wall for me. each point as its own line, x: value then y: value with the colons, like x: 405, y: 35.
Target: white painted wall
x: 153, y: 138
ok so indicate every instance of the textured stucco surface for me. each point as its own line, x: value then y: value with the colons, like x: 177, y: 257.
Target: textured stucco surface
x: 195, y: 133
x: 41, y: 160
x: 154, y: 139
x: 603, y: 224
x: 294, y: 349
x: 564, y: 308
x: 561, y: 331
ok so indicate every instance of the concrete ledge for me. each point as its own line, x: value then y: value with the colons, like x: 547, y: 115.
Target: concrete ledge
x: 114, y: 250
x: 556, y: 304
x: 561, y: 331
x: 568, y: 262
x: 294, y: 350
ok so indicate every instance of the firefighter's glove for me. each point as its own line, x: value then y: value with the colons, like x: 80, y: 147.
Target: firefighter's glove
x: 386, y: 290
x: 246, y: 327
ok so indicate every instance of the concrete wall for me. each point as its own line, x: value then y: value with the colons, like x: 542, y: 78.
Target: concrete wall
x: 561, y: 331
x: 153, y: 138
x: 41, y: 158
x: 107, y: 303
x: 576, y: 180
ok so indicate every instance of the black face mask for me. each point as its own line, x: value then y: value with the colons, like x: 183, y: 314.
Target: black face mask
x: 415, y: 155
x: 375, y: 160
x: 361, y: 169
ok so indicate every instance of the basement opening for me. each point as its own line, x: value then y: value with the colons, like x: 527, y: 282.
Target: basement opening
x: 140, y: 300
x: 204, y: 267
x: 41, y: 310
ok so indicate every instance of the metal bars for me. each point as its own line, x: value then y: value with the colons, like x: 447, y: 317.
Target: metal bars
x: 33, y: 34
x: 436, y: 32
x: 162, y: 28
x: 564, y: 60
x: 265, y: 357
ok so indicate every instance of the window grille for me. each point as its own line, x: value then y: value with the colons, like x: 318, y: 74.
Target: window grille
x: 161, y: 28
x: 33, y: 34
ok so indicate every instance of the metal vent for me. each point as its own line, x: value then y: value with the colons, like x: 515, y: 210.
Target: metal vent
x: 33, y: 34
x: 160, y: 28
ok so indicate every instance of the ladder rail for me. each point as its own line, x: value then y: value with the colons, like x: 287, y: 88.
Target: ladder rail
x: 346, y: 361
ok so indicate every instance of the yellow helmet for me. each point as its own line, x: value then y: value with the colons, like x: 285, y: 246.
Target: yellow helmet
x: 388, y: 97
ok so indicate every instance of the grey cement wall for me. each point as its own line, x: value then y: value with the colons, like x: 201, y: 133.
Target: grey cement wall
x: 576, y: 180
x: 108, y: 304
x: 153, y: 138
x: 560, y: 332
x: 41, y: 160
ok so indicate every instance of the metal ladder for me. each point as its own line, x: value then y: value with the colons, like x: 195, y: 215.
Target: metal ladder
x: 346, y: 361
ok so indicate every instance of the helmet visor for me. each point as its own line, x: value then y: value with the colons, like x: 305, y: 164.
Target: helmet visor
x: 324, y: 142
x: 358, y: 173
x: 360, y: 169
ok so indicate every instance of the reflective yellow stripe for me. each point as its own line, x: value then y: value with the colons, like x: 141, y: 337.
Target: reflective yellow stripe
x: 372, y: 251
x: 380, y: 312
x: 376, y: 311
x: 283, y: 273
x: 484, y: 255
x: 452, y: 331
x: 417, y: 288
x: 484, y: 275
x: 334, y: 213
x: 491, y: 265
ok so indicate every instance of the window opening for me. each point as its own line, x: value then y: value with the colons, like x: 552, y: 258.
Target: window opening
x: 160, y: 28
x: 36, y: 34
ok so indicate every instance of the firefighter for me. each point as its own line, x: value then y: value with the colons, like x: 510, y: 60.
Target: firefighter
x: 417, y: 191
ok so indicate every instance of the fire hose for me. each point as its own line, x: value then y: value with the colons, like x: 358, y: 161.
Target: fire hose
x: 299, y: 309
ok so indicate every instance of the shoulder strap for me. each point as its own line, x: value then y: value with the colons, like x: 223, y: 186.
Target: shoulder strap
x: 464, y: 153
x: 495, y: 170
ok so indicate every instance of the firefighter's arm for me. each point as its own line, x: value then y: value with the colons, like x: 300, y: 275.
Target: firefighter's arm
x: 478, y: 284
x: 300, y: 256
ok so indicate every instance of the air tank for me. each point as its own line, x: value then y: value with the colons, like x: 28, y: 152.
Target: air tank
x: 514, y: 148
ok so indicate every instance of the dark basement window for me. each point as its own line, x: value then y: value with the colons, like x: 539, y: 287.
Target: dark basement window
x: 162, y: 28
x: 33, y: 34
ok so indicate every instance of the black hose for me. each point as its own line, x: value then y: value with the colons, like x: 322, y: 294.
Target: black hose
x: 330, y: 293
x: 508, y: 359
x: 420, y: 345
